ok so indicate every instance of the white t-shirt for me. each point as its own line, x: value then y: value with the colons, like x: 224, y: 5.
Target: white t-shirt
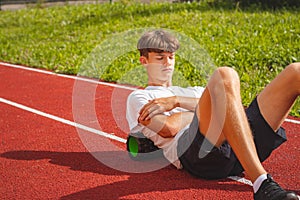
x: 137, y: 99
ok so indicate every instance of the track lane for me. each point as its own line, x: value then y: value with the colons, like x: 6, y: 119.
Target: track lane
x: 58, y: 101
x: 43, y: 159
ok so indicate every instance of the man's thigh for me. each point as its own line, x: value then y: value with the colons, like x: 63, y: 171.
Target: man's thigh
x: 201, y: 158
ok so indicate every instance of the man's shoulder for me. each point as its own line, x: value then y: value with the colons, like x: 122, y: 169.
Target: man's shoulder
x: 138, y: 94
x: 193, y: 91
x: 146, y: 91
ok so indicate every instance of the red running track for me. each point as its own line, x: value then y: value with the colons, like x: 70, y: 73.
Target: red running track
x: 42, y: 158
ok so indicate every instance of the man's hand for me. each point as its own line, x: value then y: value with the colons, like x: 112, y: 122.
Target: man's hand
x: 151, y: 115
x: 168, y: 126
x: 157, y: 106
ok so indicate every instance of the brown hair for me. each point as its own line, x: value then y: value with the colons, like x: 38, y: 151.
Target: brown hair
x: 157, y: 41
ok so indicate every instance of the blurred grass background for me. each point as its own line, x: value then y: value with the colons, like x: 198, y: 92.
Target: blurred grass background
x: 257, y: 40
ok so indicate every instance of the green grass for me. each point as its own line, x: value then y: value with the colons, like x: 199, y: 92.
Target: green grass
x: 257, y: 43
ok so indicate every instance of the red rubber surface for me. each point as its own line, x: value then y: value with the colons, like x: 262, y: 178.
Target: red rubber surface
x: 41, y: 158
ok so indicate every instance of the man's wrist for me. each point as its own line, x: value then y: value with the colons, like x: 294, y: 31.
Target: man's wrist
x: 177, y: 101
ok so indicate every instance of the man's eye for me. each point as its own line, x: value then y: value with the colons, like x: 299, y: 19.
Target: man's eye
x: 159, y: 58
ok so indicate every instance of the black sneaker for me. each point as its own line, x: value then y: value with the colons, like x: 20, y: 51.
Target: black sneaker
x: 270, y: 190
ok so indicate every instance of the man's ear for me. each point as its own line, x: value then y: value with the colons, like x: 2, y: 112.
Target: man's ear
x: 143, y: 60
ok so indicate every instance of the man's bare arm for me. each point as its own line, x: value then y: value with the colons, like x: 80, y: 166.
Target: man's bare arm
x: 161, y: 105
x: 188, y: 103
x: 168, y: 126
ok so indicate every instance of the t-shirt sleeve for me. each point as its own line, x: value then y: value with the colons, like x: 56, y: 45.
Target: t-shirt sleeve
x: 198, y: 91
x: 135, y: 102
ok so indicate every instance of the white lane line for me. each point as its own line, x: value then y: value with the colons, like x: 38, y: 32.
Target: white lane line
x: 64, y: 121
x: 91, y: 81
x: 241, y: 180
x: 235, y: 178
x: 86, y: 128
x: 67, y: 76
x: 292, y: 121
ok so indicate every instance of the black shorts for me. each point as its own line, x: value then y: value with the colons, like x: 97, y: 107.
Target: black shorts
x: 202, y: 159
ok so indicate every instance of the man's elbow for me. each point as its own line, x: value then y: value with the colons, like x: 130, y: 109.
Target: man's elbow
x: 166, y: 134
x: 168, y: 131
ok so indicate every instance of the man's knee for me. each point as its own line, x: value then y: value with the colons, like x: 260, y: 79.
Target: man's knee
x: 228, y: 74
x: 294, y: 70
x: 226, y: 79
x: 293, y: 74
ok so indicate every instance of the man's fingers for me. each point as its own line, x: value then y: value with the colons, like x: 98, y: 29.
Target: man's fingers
x: 145, y: 111
x: 149, y: 110
x: 145, y: 107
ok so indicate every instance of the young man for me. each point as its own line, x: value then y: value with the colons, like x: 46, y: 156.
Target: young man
x: 206, y: 131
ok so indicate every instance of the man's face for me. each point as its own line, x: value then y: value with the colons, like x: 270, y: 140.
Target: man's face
x: 160, y: 66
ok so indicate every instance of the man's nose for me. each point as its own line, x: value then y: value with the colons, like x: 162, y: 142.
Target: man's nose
x: 167, y: 62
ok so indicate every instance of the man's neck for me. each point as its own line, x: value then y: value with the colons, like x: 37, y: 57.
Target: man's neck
x: 167, y: 84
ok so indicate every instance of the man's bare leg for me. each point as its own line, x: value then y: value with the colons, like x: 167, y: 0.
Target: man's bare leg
x: 221, y: 106
x: 276, y: 100
x: 223, y: 96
